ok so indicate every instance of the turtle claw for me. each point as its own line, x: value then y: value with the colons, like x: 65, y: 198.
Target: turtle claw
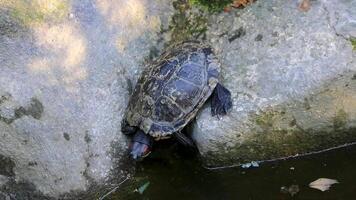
x: 183, y: 139
x: 221, y: 102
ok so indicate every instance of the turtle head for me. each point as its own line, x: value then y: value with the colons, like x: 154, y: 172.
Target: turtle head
x: 141, y: 145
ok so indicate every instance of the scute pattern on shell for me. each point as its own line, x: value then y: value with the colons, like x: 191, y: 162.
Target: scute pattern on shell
x: 172, y: 89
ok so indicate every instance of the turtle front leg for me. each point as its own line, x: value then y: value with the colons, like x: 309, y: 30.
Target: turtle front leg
x: 221, y: 101
x: 127, y: 129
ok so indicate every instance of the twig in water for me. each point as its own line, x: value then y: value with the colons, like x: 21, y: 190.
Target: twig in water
x: 115, y: 188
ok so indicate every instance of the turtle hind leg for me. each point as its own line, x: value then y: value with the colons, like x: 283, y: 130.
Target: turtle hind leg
x: 221, y: 101
x: 183, y: 139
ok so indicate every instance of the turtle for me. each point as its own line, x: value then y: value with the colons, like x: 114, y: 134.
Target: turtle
x: 169, y: 93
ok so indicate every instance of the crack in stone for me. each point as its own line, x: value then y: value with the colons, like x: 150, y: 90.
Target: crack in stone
x: 328, y: 18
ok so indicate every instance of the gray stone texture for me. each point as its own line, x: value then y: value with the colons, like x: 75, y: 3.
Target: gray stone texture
x: 65, y: 71
x: 292, y: 80
x: 342, y: 16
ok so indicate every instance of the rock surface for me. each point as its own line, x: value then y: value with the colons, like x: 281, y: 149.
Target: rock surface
x: 292, y: 78
x: 66, y: 67
x: 342, y: 17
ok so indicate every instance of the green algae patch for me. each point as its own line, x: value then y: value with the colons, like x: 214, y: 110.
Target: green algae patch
x: 37, y: 11
x: 267, y: 119
x: 353, y: 42
x: 211, y: 5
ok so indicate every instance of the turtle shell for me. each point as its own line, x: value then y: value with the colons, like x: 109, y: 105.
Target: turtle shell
x: 172, y: 89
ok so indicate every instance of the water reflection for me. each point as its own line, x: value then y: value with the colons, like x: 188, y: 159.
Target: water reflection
x: 174, y: 176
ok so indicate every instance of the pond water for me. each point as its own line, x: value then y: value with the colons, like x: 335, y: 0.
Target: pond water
x: 175, y: 174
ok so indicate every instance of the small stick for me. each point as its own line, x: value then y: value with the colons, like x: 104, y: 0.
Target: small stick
x: 115, y: 188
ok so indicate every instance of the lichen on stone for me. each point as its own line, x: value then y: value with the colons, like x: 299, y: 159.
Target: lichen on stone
x: 35, y: 109
x: 6, y: 166
x: 66, y: 136
x: 267, y: 119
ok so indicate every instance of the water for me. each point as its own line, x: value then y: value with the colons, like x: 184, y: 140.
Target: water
x: 173, y: 175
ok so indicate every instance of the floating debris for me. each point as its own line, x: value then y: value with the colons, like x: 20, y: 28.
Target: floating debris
x: 292, y: 190
x: 250, y: 164
x: 142, y: 188
x: 322, y: 184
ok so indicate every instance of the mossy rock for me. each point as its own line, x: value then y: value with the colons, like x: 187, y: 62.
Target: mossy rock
x: 211, y: 5
x: 186, y: 24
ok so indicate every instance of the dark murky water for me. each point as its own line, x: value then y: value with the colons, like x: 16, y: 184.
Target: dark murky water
x: 174, y: 175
